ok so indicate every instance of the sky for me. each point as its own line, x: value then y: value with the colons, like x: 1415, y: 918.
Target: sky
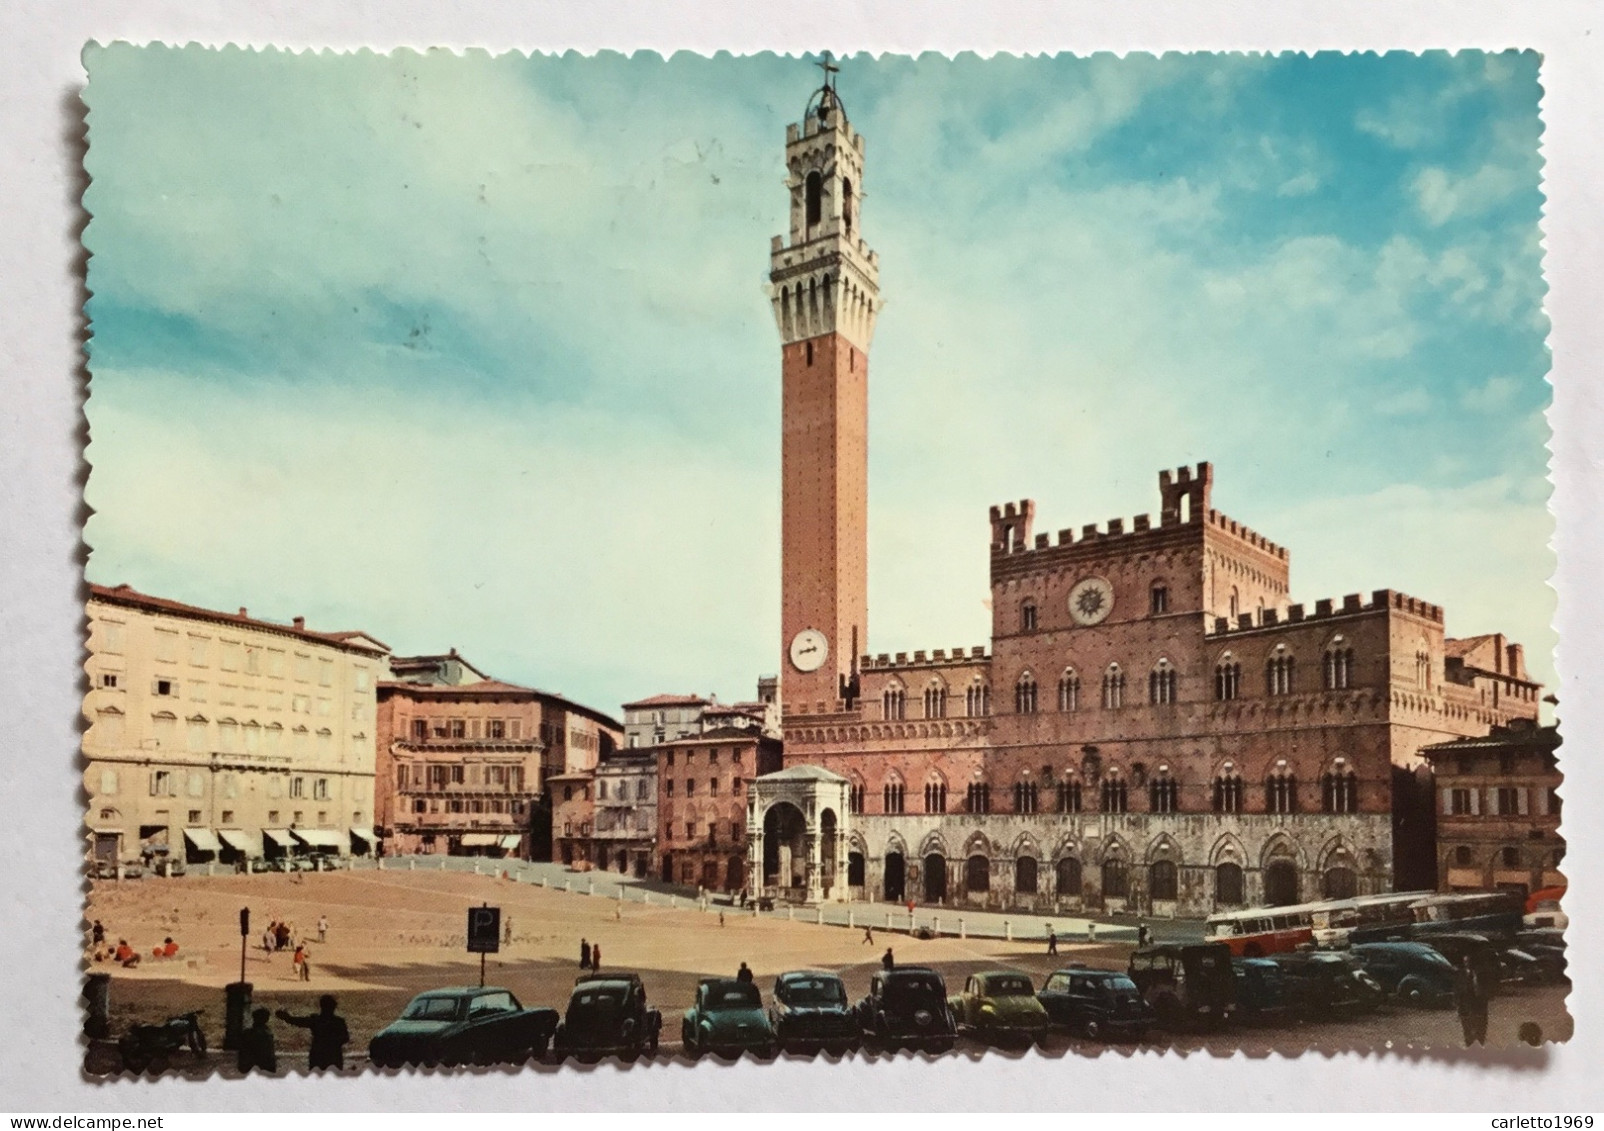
x: 471, y: 351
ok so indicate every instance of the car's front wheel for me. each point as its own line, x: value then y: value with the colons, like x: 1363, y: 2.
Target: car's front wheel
x: 1091, y: 1030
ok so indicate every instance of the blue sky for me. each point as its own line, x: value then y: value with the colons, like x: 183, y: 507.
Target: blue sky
x: 474, y: 351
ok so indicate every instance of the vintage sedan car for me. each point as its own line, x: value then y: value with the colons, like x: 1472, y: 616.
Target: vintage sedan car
x: 1409, y: 971
x: 907, y: 1006
x: 1547, y: 945
x: 809, y: 1011
x: 999, y: 1005
x: 463, y: 1025
x: 1261, y: 992
x: 608, y: 1015
x: 1323, y: 983
x: 1190, y: 985
x: 1458, y: 946
x: 1099, y: 1005
x: 727, y: 1019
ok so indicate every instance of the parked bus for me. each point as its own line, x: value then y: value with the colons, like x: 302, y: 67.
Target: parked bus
x: 1482, y: 913
x: 1365, y: 918
x: 1257, y: 931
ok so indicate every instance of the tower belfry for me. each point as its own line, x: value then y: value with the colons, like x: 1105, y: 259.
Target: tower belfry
x: 824, y: 282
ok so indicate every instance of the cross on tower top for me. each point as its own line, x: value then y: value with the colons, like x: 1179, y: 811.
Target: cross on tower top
x: 827, y: 65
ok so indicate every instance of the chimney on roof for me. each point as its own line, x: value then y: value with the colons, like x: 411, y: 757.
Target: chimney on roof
x: 299, y: 623
x: 243, y: 611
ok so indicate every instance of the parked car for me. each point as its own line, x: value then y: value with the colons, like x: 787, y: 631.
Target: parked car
x: 1323, y: 983
x: 1187, y: 985
x: 1261, y: 991
x: 1520, y: 967
x: 132, y: 869
x: 907, y: 1006
x: 999, y: 1005
x: 104, y: 869
x: 608, y: 1014
x: 1096, y: 1004
x: 1456, y: 946
x: 727, y: 1019
x: 1409, y: 971
x: 1547, y: 945
x: 809, y: 1011
x: 464, y: 1025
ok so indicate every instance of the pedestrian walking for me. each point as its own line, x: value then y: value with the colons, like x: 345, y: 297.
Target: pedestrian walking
x: 744, y: 974
x: 322, y: 928
x: 868, y: 934
x: 584, y: 954
x: 256, y: 1044
x: 300, y: 965
x: 1091, y: 932
x: 506, y: 934
x: 887, y: 961
x: 97, y: 934
x: 595, y: 958
x: 329, y: 1033
x: 1052, y: 940
x: 721, y: 917
x: 1144, y: 934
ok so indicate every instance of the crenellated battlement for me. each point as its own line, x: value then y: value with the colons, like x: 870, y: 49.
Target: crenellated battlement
x: 1353, y: 604
x: 1184, y: 493
x: 1251, y: 537
x: 940, y: 657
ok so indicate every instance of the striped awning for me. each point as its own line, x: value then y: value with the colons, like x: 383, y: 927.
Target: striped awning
x: 479, y: 840
x: 318, y: 838
x: 203, y: 839
x: 280, y: 837
x: 241, y: 841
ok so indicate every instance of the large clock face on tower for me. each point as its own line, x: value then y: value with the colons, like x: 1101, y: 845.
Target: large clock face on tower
x: 809, y: 648
x: 1091, y: 600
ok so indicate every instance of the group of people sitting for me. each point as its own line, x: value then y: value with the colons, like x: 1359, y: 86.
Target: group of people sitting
x: 123, y: 954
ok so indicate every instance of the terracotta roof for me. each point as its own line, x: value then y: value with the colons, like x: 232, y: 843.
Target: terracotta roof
x: 670, y: 701
x: 492, y: 688
x: 434, y: 661
x: 129, y: 596
x: 1466, y: 645
x: 1501, y: 737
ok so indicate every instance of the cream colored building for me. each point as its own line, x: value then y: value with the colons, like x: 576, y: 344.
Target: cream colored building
x: 214, y: 736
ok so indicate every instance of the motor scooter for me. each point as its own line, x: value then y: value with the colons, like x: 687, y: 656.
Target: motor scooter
x: 144, y: 1046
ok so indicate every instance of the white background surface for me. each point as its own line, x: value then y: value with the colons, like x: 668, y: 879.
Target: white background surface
x: 41, y: 389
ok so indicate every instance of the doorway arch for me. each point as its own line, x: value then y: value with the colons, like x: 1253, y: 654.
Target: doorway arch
x: 784, y: 846
x: 896, y: 877
x: 1280, y: 883
x: 935, y: 878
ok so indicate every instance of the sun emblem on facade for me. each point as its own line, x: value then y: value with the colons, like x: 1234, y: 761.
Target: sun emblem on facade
x: 1091, y: 600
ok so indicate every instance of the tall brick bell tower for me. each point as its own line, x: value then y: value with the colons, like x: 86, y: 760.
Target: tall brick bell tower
x: 825, y: 288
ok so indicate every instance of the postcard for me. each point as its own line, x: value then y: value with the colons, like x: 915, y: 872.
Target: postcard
x: 522, y: 633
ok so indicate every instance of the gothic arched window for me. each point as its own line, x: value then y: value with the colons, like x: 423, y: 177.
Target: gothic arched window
x: 1069, y: 796
x: 1227, y: 678
x: 1114, y: 799
x: 1027, y: 616
x: 936, y: 701
x: 1069, y: 691
x: 935, y: 796
x: 814, y: 195
x: 1281, y: 793
x: 1025, y: 695
x: 893, y: 795
x: 1338, y: 666
x: 1163, y: 794
x: 894, y: 703
x: 978, y: 700
x: 1278, y: 670
x: 1228, y: 793
x: 1161, y: 683
x: 846, y: 203
x: 1025, y: 797
x: 1339, y: 791
x: 1113, y: 688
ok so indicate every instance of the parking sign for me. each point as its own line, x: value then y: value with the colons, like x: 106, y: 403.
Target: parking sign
x: 484, y: 930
